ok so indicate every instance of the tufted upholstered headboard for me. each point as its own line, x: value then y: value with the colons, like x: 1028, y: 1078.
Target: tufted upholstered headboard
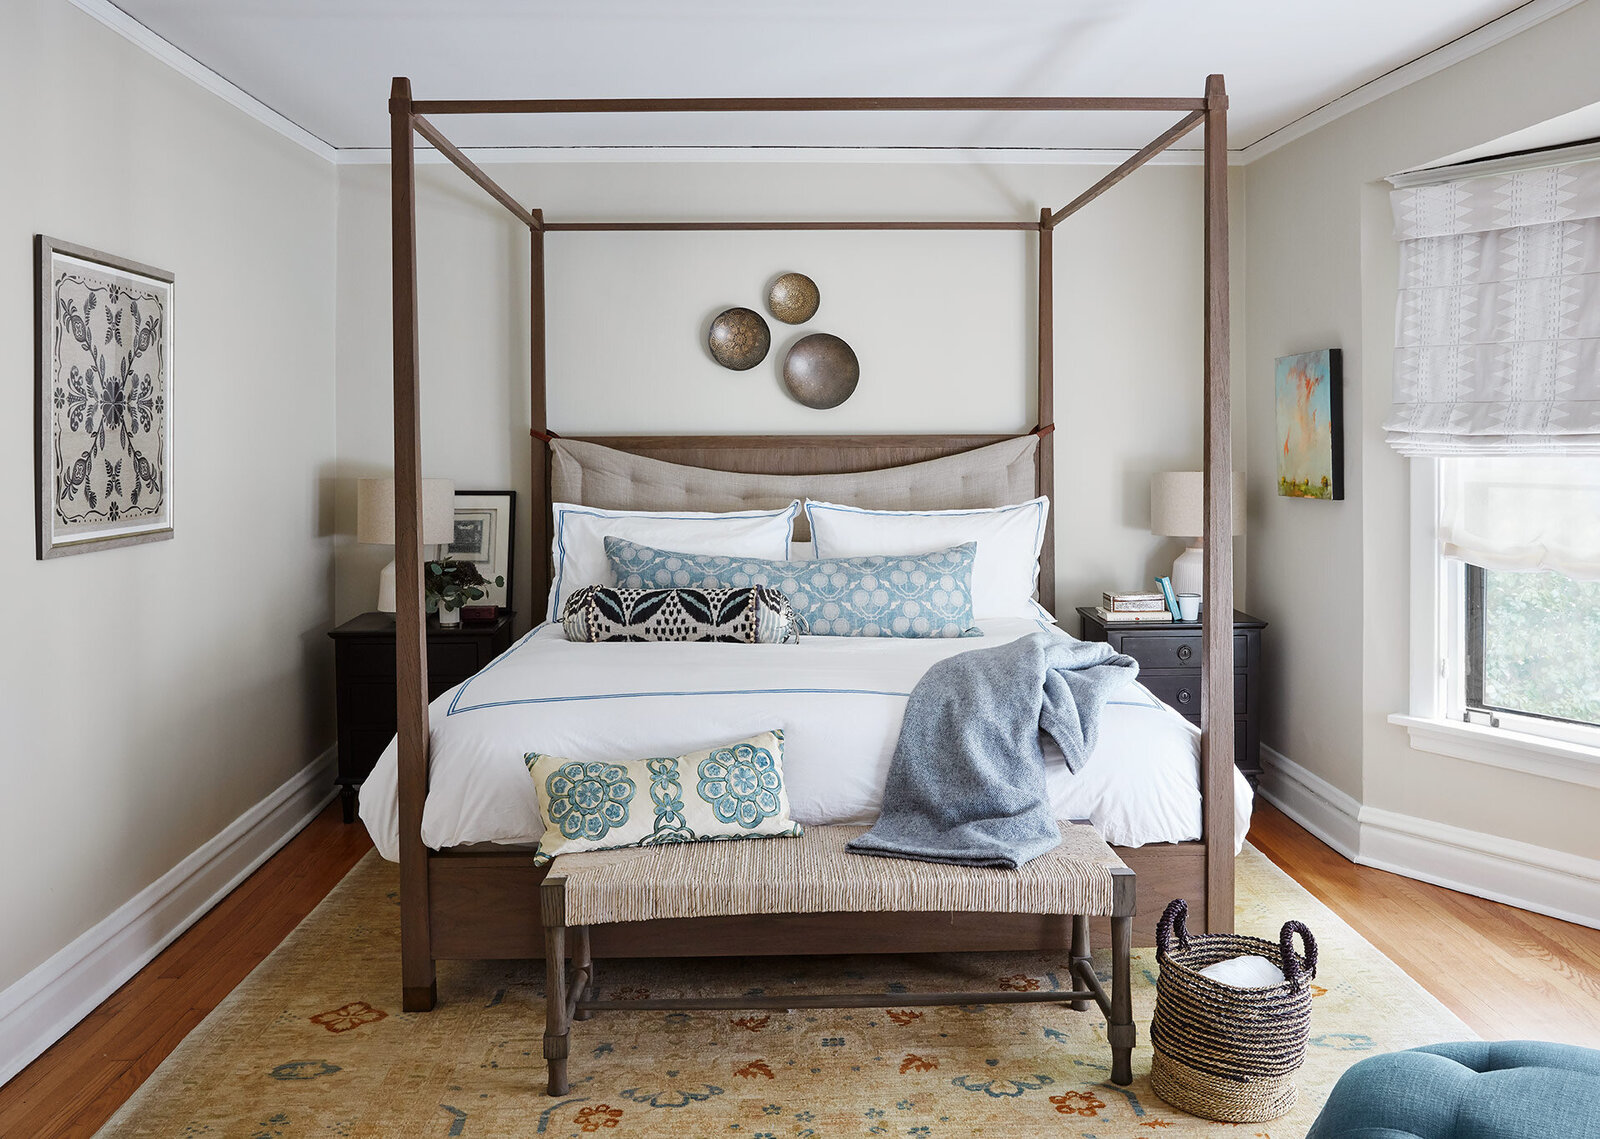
x: 914, y: 472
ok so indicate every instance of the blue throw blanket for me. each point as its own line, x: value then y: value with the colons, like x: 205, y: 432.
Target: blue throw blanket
x: 966, y: 784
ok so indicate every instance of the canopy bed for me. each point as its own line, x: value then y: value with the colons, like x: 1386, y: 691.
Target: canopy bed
x: 476, y: 899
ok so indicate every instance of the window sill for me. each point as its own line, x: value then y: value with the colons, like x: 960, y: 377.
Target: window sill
x: 1499, y: 747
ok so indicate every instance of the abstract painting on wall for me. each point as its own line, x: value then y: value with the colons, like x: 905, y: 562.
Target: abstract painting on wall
x: 1310, y: 425
x: 104, y: 355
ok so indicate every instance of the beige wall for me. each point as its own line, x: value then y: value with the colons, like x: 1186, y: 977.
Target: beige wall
x: 1334, y: 578
x: 150, y: 695
x: 942, y: 322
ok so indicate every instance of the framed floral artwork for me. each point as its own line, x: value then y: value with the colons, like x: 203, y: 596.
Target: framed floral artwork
x: 485, y: 526
x: 103, y: 354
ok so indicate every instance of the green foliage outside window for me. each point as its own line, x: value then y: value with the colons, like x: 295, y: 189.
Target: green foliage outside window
x: 1540, y: 638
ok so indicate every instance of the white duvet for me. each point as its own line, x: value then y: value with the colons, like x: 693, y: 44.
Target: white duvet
x: 839, y: 700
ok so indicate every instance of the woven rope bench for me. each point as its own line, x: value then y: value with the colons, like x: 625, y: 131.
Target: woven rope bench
x: 1082, y: 877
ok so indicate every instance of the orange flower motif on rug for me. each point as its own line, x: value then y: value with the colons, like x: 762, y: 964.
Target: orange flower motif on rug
x: 904, y: 1016
x: 752, y: 1023
x: 915, y: 1063
x: 598, y: 1116
x: 1156, y: 1123
x: 346, y: 1017
x: 753, y: 1069
x: 1318, y: 991
x: 1077, y: 1103
x: 1019, y: 983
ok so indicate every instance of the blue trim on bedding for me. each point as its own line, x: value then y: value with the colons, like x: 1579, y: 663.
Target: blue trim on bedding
x: 1149, y: 702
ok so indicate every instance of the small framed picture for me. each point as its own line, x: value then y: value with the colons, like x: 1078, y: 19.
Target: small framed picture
x: 485, y: 528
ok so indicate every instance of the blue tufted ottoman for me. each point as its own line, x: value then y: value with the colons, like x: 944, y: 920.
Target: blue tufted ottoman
x: 1514, y: 1089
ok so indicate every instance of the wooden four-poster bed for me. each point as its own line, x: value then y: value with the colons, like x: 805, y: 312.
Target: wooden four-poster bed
x: 481, y: 901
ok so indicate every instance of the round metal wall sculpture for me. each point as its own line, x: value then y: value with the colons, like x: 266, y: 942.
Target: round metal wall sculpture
x: 739, y: 339
x: 821, y: 370
x: 793, y: 298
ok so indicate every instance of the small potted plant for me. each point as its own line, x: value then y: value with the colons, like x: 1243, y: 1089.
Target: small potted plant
x: 451, y: 584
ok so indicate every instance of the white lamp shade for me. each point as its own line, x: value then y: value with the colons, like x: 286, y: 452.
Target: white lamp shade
x: 375, y: 511
x: 1177, y: 503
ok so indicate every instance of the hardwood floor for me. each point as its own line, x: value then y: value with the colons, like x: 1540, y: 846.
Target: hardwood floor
x: 1510, y: 974
x: 75, y: 1087
x: 1507, y: 973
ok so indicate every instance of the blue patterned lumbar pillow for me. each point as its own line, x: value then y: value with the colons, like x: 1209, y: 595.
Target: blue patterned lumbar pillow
x: 921, y: 595
x: 754, y: 615
x: 727, y: 792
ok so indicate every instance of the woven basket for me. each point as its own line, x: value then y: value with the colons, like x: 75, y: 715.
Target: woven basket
x: 1222, y: 1052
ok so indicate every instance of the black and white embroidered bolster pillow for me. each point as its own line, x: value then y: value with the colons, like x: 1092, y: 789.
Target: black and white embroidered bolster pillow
x: 753, y: 615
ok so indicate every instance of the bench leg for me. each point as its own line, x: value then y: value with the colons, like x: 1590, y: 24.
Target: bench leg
x: 1080, y: 953
x: 556, y: 1028
x: 1120, y: 1030
x: 582, y: 960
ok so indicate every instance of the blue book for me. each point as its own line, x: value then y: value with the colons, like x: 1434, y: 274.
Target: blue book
x: 1172, y: 598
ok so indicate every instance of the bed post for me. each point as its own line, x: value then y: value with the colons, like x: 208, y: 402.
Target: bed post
x: 416, y: 950
x: 539, y: 466
x: 1217, y: 648
x: 1045, y: 465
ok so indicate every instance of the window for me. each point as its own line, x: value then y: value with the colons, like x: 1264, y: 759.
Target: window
x: 1531, y: 647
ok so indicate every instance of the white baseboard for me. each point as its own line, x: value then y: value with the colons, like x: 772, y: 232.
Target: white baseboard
x: 1536, y: 878
x: 38, y: 1010
x: 1312, y: 801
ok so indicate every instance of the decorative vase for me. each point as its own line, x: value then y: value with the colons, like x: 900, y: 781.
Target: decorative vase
x: 449, y: 618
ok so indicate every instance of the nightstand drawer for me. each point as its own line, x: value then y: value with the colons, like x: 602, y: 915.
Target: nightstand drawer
x: 1176, y: 650
x: 1181, y: 690
x: 451, y: 662
x: 368, y: 705
x: 367, y: 660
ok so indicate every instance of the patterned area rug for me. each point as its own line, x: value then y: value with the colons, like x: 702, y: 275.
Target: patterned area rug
x: 313, y: 1043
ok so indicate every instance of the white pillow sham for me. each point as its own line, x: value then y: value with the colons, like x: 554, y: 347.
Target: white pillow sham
x: 1005, y: 574
x: 578, y: 550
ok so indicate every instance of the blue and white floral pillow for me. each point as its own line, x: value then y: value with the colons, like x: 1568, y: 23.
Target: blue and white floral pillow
x: 728, y: 792
x: 914, y: 595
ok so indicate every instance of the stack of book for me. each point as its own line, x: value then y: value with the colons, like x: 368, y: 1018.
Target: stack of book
x: 1124, y: 608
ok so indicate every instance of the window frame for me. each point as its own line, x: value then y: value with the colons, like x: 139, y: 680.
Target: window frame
x: 1437, y: 718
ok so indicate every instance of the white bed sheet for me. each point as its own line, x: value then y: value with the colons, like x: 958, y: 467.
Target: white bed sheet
x: 839, y: 700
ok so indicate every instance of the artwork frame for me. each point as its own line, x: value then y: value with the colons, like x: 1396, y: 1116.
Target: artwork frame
x: 120, y: 426
x: 1309, y: 394
x: 486, y: 532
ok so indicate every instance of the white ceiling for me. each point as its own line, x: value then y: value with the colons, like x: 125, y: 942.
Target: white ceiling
x: 325, y: 65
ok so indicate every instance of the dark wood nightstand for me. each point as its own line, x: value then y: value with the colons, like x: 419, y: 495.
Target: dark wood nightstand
x: 1169, y: 666
x: 364, y: 666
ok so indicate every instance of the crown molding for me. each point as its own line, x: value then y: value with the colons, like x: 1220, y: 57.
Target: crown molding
x: 186, y: 65
x: 1463, y: 47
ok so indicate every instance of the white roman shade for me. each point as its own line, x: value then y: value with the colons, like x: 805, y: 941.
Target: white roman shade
x: 1523, y: 513
x: 1497, y: 332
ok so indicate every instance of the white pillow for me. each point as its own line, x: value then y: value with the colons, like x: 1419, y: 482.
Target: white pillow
x: 1005, y: 574
x: 578, y: 551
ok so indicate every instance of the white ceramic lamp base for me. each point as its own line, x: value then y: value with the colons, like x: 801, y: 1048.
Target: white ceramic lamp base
x: 1189, y: 571
x: 386, y: 589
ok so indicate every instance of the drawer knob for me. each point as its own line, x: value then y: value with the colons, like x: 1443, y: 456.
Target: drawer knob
x: 1183, y: 696
x: 1185, y: 652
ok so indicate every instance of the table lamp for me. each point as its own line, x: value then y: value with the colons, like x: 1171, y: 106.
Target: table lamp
x: 375, y: 522
x: 1177, y: 510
